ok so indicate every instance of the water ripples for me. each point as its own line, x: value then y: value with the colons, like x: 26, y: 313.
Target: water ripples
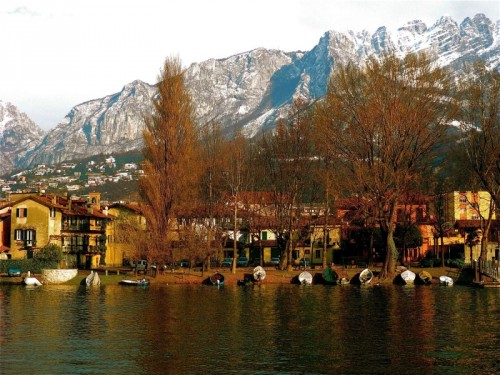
x: 261, y: 329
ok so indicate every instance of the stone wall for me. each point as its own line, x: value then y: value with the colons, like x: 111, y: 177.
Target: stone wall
x: 58, y: 276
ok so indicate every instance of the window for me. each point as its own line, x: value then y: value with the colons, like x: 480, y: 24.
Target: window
x: 318, y: 254
x: 21, y: 212
x: 26, y: 235
x: 30, y: 238
x: 18, y: 235
x: 462, y: 198
x: 264, y: 235
x: 52, y: 212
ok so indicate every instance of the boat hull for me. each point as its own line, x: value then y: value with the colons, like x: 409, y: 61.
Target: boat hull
x: 217, y: 279
x: 330, y: 277
x: 305, y: 278
x: 143, y: 282
x: 31, y: 281
x: 424, y: 277
x: 445, y: 281
x: 408, y: 277
x: 366, y: 276
x: 259, y: 273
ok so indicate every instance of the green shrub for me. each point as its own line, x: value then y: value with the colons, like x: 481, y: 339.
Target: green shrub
x: 429, y: 262
x: 455, y: 263
x: 50, y: 253
x: 32, y: 265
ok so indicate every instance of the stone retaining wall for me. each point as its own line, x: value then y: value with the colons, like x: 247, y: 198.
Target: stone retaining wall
x: 58, y: 276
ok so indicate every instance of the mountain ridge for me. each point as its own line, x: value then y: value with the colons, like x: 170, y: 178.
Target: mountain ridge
x: 249, y: 91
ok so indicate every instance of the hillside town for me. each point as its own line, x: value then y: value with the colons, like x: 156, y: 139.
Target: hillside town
x: 76, y: 177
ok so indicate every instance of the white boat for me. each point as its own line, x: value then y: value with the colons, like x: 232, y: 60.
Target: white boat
x: 365, y: 276
x: 408, y: 277
x: 445, y: 280
x: 93, y: 279
x: 259, y: 273
x: 305, y: 278
x: 31, y: 281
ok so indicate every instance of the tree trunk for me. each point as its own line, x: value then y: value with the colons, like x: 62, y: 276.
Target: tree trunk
x: 235, y: 248
x: 288, y: 253
x: 371, y: 251
x: 442, y: 251
x: 391, y: 255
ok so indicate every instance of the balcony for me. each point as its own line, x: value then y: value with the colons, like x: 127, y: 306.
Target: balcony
x: 76, y: 227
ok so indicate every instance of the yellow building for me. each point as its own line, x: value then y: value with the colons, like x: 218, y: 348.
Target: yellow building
x: 314, y: 247
x: 127, y: 218
x: 467, y: 205
x: 76, y: 225
x: 35, y: 220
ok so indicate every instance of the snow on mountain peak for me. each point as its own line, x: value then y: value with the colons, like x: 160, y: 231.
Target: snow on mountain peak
x: 249, y: 91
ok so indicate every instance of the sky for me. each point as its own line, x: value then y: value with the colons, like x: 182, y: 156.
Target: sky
x: 56, y: 54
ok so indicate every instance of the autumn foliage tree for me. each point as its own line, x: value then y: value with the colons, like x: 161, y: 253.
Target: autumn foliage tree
x: 170, y: 165
x: 383, y: 121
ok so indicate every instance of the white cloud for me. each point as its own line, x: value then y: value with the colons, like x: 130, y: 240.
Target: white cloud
x: 58, y: 53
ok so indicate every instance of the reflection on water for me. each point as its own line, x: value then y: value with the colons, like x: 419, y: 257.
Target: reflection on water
x: 262, y: 329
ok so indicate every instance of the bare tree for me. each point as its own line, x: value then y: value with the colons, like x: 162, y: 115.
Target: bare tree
x: 479, y: 103
x: 214, y: 145
x: 383, y: 121
x: 288, y: 157
x: 170, y: 165
x: 237, y: 174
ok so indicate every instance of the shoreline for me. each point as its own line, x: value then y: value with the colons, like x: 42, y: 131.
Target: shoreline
x: 273, y: 276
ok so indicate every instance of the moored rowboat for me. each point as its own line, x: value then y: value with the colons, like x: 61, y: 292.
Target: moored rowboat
x: 217, y: 279
x: 425, y: 277
x: 93, y: 279
x: 142, y: 282
x: 445, y: 280
x: 305, y: 278
x: 365, y: 276
x: 330, y: 276
x: 259, y: 273
x: 31, y: 281
x: 408, y: 277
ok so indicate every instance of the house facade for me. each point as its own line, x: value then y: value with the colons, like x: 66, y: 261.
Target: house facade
x: 76, y: 225
x: 467, y: 205
x: 125, y: 217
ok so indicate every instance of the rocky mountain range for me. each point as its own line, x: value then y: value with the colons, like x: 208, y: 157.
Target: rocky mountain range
x: 19, y: 135
x: 247, y: 92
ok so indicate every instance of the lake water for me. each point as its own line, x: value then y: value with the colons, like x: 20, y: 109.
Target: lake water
x: 261, y: 329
